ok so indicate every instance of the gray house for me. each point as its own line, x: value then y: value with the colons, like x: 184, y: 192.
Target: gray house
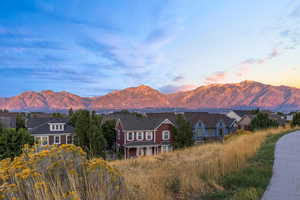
x: 8, y: 122
x: 210, y: 126
x: 49, y: 131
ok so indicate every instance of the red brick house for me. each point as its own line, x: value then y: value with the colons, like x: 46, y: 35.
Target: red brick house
x: 139, y: 135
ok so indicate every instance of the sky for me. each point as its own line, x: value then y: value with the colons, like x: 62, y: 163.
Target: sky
x: 93, y: 47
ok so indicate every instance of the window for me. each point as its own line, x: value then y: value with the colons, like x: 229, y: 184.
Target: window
x: 130, y: 136
x: 44, y: 140
x: 69, y: 139
x: 149, y: 135
x: 140, y: 135
x: 166, y: 135
x: 56, y: 139
x: 56, y: 127
x: 164, y: 148
x: 38, y: 140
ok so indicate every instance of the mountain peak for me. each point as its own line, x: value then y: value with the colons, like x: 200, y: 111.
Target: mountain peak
x: 246, y: 94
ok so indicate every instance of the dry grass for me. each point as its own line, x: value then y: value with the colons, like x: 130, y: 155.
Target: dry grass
x: 191, y: 172
x: 58, y: 173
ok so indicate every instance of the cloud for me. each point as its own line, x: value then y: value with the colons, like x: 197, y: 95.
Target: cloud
x: 273, y: 54
x: 251, y: 61
x: 217, y: 77
x: 243, y: 71
x: 178, y: 78
x: 174, y: 88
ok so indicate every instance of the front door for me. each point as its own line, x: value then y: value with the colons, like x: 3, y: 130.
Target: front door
x: 149, y: 151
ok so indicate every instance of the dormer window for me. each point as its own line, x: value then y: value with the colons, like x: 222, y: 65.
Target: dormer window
x: 57, y: 126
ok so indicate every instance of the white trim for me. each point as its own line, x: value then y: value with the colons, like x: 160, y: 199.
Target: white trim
x: 72, y: 139
x: 50, y: 134
x: 149, y: 133
x: 166, y: 121
x: 132, y: 134
x: 59, y: 139
x: 163, y: 134
x: 164, y: 148
x: 57, y: 126
x: 41, y: 140
x: 140, y: 133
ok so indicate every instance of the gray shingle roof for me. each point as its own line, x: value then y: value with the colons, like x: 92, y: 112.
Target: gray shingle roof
x: 210, y: 120
x: 8, y: 122
x: 150, y: 121
x: 41, y: 125
x: 242, y: 113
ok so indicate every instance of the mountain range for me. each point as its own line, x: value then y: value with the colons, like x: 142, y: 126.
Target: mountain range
x: 246, y: 94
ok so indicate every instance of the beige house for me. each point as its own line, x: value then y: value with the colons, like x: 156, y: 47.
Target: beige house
x: 245, y: 122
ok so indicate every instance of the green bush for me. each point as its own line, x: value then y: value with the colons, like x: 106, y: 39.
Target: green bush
x: 246, y: 194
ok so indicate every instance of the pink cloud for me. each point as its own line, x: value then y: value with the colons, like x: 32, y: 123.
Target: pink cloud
x: 242, y: 71
x: 273, y: 54
x: 216, y: 77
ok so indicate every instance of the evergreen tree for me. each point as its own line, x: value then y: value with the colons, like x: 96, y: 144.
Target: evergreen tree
x: 12, y: 142
x: 110, y: 133
x: 71, y: 112
x: 82, y: 125
x: 183, y: 133
x: 262, y: 121
x: 20, y: 121
x: 89, y: 133
x: 296, y: 120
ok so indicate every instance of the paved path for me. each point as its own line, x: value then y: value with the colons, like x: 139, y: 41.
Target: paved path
x: 285, y: 182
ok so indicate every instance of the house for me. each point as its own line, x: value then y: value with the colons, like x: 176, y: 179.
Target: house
x: 210, y: 126
x: 245, y: 122
x: 8, y: 119
x: 139, y: 135
x: 8, y: 122
x: 49, y: 131
x: 152, y: 133
x: 238, y: 114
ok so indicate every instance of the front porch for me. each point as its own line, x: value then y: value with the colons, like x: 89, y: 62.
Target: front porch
x: 136, y: 151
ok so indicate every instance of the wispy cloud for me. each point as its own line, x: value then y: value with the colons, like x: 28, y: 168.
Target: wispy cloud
x: 178, y: 78
x: 217, y: 77
x: 175, y: 88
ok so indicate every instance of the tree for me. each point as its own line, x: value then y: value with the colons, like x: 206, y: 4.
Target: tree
x: 183, y: 133
x: 296, y: 120
x: 57, y: 115
x: 20, y: 121
x: 71, y: 112
x: 110, y: 133
x: 262, y: 121
x: 12, y: 142
x: 89, y: 133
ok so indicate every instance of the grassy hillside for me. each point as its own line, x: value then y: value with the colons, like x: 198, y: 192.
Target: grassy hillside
x: 238, y: 167
x: 193, y: 172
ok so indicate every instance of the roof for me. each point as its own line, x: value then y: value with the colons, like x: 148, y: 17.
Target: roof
x: 140, y: 143
x: 242, y: 113
x: 209, y: 119
x: 8, y: 122
x: 150, y: 121
x: 41, y: 125
x: 134, y: 121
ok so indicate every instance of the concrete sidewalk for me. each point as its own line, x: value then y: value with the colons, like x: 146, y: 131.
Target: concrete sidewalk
x: 285, y: 182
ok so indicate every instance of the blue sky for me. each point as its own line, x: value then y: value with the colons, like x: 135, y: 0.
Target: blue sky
x: 93, y: 47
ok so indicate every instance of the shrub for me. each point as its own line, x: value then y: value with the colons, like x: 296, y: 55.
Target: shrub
x: 58, y: 173
x: 12, y: 141
x: 246, y: 194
